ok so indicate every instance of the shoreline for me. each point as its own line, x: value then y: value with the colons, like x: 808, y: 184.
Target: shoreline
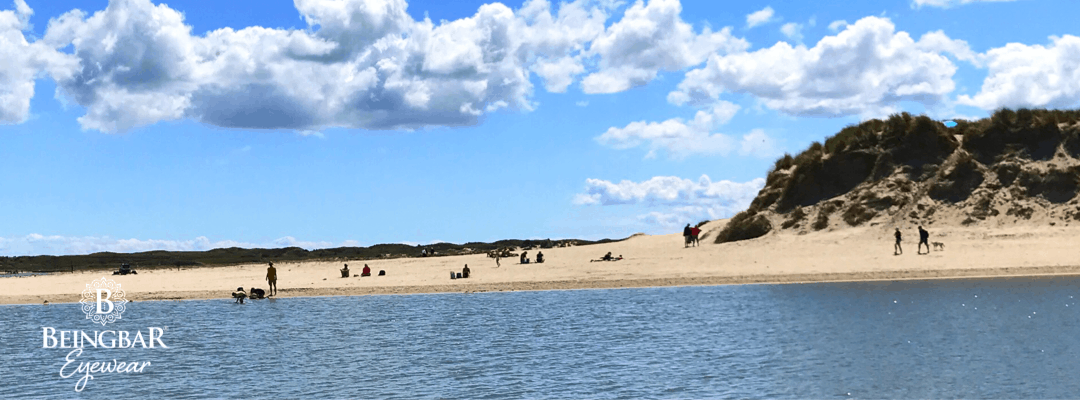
x: 722, y: 280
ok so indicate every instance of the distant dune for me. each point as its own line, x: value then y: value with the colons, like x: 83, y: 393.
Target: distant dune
x: 1017, y: 168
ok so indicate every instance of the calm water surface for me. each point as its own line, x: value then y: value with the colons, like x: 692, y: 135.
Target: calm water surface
x: 1015, y: 338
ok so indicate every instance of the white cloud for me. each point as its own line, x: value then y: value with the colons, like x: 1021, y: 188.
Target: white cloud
x: 37, y: 244
x: 679, y: 200
x: 362, y: 64
x: 837, y: 25
x: 558, y: 75
x: 793, y: 31
x: 938, y: 41
x: 22, y: 62
x: 582, y: 103
x: 1031, y: 76
x: 865, y: 69
x: 650, y: 38
x: 678, y: 137
x: 950, y: 3
x: 759, y: 17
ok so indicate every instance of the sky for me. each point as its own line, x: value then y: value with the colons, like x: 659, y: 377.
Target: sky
x: 135, y: 125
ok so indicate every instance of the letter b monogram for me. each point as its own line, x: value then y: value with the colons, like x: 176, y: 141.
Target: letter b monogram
x: 105, y: 300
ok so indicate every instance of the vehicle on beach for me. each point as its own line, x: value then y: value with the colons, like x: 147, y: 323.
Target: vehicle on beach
x: 125, y: 269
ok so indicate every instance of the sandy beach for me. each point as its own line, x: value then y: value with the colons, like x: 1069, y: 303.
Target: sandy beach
x: 853, y: 254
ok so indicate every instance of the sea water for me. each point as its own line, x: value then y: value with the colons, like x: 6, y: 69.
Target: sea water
x: 995, y: 338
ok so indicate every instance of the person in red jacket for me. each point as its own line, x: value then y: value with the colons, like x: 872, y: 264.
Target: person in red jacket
x: 366, y: 271
x: 694, y: 232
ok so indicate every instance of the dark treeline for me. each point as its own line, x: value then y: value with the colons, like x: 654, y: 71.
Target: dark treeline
x: 235, y: 255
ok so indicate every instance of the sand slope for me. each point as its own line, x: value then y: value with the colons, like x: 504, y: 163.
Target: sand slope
x: 849, y: 254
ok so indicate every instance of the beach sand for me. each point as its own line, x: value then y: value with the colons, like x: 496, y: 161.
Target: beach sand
x: 853, y: 254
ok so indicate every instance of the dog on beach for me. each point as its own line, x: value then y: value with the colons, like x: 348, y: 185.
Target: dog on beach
x: 938, y: 245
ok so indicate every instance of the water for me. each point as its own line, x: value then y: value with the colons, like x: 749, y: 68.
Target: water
x: 1015, y: 338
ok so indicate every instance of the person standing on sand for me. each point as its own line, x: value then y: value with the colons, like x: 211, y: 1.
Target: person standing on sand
x: 271, y: 278
x: 686, y: 236
x: 497, y: 265
x: 924, y: 238
x: 897, y: 250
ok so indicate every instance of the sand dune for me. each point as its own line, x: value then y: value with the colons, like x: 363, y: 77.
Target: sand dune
x: 848, y: 254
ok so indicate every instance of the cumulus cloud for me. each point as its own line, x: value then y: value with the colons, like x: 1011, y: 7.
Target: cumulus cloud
x: 759, y: 17
x: 837, y: 25
x: 678, y: 200
x: 677, y: 137
x: 864, y: 70
x: 649, y: 38
x: 361, y: 64
x: 949, y: 3
x: 793, y: 31
x: 37, y: 244
x: 1031, y: 76
x: 22, y: 63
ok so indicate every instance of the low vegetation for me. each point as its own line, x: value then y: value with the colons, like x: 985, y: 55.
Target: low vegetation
x: 909, y: 167
x: 235, y: 255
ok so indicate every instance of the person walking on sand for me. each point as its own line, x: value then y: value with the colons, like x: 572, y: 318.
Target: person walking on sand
x: 271, y: 278
x: 497, y: 265
x: 686, y: 236
x: 897, y: 250
x: 924, y: 238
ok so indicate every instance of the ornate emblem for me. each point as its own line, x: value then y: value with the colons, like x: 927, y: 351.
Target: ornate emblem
x: 103, y: 301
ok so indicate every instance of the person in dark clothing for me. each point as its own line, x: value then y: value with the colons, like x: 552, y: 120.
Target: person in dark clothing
x: 897, y: 250
x: 686, y: 236
x: 465, y: 271
x: 523, y: 259
x: 924, y: 238
x: 539, y: 257
x: 257, y: 293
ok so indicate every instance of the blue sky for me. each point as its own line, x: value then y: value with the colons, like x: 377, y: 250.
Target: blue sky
x: 134, y: 125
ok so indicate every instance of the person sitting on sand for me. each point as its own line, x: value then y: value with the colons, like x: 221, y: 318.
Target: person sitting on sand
x: 239, y: 295
x: 271, y: 278
x: 897, y: 250
x: 924, y: 238
x: 523, y: 259
x: 465, y: 272
x: 345, y: 271
x: 257, y: 293
x: 366, y: 271
x: 540, y: 257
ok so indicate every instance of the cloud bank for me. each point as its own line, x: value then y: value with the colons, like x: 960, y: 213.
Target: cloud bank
x: 680, y: 201
x: 367, y: 64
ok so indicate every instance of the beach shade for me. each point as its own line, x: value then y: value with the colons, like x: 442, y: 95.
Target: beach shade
x: 950, y: 123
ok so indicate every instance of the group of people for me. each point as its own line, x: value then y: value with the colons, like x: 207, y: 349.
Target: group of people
x: 690, y: 236
x: 924, y: 238
x: 524, y: 259
x: 239, y: 295
x: 364, y: 272
x: 608, y: 257
x: 271, y: 279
